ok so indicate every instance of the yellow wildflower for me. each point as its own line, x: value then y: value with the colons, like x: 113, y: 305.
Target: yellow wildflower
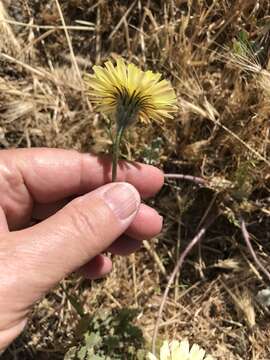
x: 180, y: 351
x: 127, y: 93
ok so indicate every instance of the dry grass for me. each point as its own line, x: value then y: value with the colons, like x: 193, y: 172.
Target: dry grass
x: 221, y: 134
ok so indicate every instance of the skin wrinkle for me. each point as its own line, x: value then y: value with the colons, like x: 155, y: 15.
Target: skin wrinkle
x: 88, y: 165
x: 3, y: 221
x: 29, y: 277
x: 91, y: 221
x: 16, y: 200
x: 12, y: 312
x: 25, y: 165
x: 18, y: 271
x: 87, y: 223
x: 38, y: 166
x: 6, y: 253
x: 81, y: 172
x: 34, y: 253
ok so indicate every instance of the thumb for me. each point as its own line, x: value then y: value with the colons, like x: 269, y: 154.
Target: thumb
x: 45, y: 253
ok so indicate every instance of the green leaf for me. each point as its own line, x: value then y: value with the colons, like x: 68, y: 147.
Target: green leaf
x: 92, y: 340
x: 242, y: 45
x: 83, y: 326
x: 82, y: 353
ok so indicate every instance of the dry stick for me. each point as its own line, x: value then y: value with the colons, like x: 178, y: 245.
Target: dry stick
x: 177, y: 267
x: 134, y: 278
x: 155, y: 257
x: 35, y: 41
x: 141, y: 33
x: 127, y: 39
x: 73, y: 58
x: 251, y: 250
x: 205, y: 215
x: 178, y: 246
x: 98, y: 36
x: 50, y: 27
x: 122, y: 20
x: 195, y: 179
x: 39, y: 72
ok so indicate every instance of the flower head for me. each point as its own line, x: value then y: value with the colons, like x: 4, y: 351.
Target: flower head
x: 180, y: 351
x: 127, y: 93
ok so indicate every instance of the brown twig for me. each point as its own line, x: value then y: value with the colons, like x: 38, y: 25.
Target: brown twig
x: 251, y: 250
x: 176, y: 269
x: 195, y: 179
x: 155, y: 257
x: 98, y: 36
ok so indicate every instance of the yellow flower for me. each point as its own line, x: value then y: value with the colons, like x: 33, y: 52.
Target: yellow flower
x: 126, y: 93
x: 180, y: 351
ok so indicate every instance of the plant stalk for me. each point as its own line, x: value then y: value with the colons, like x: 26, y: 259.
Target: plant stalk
x: 116, y: 147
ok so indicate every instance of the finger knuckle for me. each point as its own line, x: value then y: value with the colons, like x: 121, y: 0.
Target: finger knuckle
x: 84, y: 221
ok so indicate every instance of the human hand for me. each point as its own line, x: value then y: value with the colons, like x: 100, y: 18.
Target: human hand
x: 80, y: 218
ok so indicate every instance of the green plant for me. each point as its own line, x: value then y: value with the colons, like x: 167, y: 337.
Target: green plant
x: 108, y: 336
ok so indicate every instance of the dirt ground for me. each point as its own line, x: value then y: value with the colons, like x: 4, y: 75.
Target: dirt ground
x: 216, y: 54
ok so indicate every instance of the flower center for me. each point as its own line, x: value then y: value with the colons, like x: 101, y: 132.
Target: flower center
x: 127, y: 107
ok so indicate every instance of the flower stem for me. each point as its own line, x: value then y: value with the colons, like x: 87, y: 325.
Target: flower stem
x: 116, y: 146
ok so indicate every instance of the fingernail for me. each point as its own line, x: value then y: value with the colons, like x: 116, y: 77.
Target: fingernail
x: 123, y: 199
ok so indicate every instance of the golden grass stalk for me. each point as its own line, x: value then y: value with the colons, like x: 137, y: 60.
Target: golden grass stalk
x: 8, y: 40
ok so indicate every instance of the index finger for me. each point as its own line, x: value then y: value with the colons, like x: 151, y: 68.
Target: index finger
x: 54, y: 174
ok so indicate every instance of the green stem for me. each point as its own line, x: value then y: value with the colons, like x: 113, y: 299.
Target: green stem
x: 116, y: 147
